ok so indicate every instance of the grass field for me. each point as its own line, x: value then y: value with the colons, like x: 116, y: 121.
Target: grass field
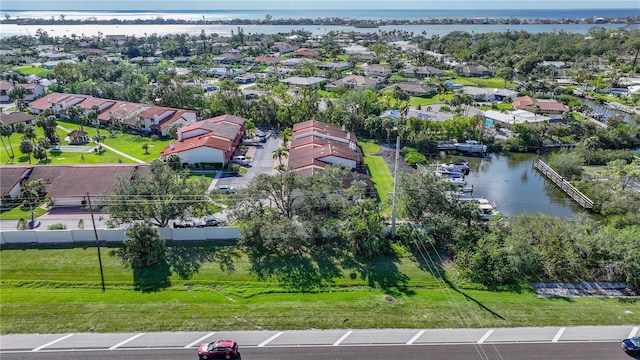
x: 32, y: 70
x: 19, y: 212
x: 380, y: 175
x: 58, y: 290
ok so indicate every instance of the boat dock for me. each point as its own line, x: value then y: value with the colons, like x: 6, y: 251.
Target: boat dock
x: 564, y: 185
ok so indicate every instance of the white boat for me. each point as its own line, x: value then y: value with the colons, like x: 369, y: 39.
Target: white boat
x: 471, y: 146
x: 487, y: 209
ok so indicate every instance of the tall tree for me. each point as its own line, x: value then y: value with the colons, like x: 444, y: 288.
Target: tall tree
x: 7, y: 130
x: 143, y: 247
x: 17, y: 94
x: 31, y: 193
x: 163, y: 196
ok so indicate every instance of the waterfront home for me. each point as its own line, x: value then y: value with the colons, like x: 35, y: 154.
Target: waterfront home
x: 485, y: 94
x: 548, y: 106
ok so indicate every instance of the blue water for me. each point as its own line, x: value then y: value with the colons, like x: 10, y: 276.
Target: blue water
x: 360, y: 14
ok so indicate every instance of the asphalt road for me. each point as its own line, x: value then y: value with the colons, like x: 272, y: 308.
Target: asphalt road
x: 522, y: 351
x: 580, y: 342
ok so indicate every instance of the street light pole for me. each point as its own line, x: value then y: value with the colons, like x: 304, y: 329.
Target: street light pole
x: 95, y: 233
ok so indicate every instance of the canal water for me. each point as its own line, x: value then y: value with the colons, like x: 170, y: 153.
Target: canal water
x: 511, y: 181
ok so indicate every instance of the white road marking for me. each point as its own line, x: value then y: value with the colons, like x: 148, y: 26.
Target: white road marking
x: 485, y: 336
x: 633, y: 332
x: 558, y: 334
x: 52, y: 342
x: 342, y: 338
x: 199, y: 340
x: 415, y: 337
x: 262, y: 344
x: 126, y: 341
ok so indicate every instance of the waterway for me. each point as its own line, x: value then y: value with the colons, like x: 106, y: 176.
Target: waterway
x: 516, y: 187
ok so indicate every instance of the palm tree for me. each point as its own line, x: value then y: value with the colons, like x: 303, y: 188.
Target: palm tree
x: 7, y: 130
x: 30, y: 195
x: 280, y: 153
x: 17, y: 94
x: 286, y: 135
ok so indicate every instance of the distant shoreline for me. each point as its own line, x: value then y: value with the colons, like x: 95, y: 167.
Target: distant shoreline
x: 330, y: 21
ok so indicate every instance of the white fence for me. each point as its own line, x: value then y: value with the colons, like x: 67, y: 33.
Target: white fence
x: 113, y: 235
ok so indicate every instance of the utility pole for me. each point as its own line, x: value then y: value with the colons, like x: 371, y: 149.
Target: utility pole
x: 95, y: 233
x: 395, y: 189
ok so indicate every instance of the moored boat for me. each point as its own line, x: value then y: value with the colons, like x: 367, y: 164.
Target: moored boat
x: 471, y: 146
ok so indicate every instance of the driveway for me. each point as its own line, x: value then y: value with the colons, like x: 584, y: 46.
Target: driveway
x: 261, y: 162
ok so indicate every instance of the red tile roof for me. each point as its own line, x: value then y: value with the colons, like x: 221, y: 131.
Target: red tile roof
x: 45, y: 102
x: 206, y: 140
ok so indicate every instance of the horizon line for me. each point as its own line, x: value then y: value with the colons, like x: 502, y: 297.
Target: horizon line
x: 339, y: 9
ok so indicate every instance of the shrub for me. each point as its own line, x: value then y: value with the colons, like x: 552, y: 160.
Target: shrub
x: 57, y: 226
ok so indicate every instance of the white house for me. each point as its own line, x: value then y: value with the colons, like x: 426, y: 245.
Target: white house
x: 208, y: 141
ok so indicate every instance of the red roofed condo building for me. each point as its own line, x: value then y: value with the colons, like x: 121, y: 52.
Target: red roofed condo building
x: 141, y: 117
x: 208, y: 141
x: 314, y: 145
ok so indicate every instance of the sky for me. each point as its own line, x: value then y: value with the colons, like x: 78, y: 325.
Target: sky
x: 163, y: 5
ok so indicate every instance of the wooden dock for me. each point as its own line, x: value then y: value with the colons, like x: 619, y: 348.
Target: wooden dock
x: 564, y: 185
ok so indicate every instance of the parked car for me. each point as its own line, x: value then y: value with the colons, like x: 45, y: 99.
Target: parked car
x: 219, y: 349
x: 242, y: 160
x: 213, y: 221
x: 226, y: 189
x: 631, y: 345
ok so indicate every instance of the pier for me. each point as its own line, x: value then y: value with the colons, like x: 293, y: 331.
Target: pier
x: 564, y: 185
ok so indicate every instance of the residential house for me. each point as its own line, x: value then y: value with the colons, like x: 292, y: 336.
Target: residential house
x: 69, y: 185
x: 294, y: 62
x: 356, y: 49
x: 267, y: 60
x: 16, y: 117
x: 485, y: 94
x: 422, y: 72
x: 210, y: 141
x: 306, y: 53
x: 34, y: 91
x: 310, y: 81
x: 228, y: 58
x: 513, y: 117
x: 353, y: 81
x: 470, y: 70
x: 548, y: 106
x: 5, y: 88
x: 341, y: 65
x: 158, y: 120
x: 11, y: 180
x: 314, y: 145
x: 283, y: 47
x: 414, y: 88
x: 377, y: 70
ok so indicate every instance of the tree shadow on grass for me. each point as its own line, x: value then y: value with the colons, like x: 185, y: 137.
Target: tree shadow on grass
x: 152, y: 278
x: 186, y: 259
x: 433, y: 265
x: 382, y: 273
x: 301, y: 271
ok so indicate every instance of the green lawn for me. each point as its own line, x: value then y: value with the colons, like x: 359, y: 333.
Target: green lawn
x: 32, y: 70
x: 57, y: 157
x: 483, y: 82
x: 19, y: 212
x: 127, y: 143
x: 58, y: 291
x: 381, y: 177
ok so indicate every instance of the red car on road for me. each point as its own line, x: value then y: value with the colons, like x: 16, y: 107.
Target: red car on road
x: 219, y: 349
